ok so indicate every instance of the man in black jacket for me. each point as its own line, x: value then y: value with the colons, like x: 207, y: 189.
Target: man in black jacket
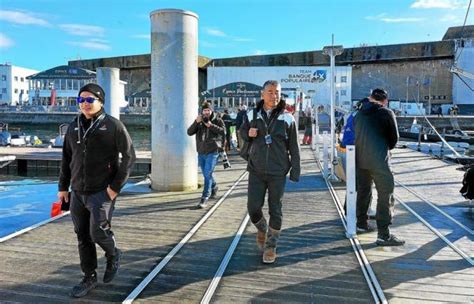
x: 376, y: 133
x: 239, y: 120
x: 274, y: 152
x: 91, y: 168
x: 228, y: 122
x: 210, y: 133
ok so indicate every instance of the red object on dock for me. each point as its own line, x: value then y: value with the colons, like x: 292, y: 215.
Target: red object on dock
x: 56, y: 209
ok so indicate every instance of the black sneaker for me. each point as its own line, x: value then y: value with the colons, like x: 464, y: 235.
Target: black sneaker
x: 390, y: 240
x: 87, y: 284
x: 113, y: 265
x: 203, y: 203
x: 365, y: 228
x: 214, y: 192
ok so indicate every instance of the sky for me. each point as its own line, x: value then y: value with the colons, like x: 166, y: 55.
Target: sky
x: 42, y: 34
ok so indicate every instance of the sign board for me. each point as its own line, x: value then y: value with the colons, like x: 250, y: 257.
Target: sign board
x: 310, y: 81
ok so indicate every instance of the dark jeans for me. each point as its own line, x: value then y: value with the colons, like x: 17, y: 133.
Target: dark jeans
x: 384, y: 184
x: 92, y: 216
x: 257, y: 188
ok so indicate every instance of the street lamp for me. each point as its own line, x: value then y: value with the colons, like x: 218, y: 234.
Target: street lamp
x: 333, y: 51
x: 297, y: 107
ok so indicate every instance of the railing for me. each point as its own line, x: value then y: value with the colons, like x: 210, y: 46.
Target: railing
x: 64, y: 109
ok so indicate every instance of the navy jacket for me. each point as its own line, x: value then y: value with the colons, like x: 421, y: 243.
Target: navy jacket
x: 376, y: 133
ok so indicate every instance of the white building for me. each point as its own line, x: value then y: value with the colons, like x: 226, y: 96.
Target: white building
x: 463, y: 83
x: 14, y: 85
x: 59, y: 86
x: 231, y: 86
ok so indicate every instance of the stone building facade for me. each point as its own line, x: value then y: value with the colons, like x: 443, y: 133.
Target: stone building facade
x: 410, y: 72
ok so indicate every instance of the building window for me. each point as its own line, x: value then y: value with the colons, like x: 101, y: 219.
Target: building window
x: 1, y: 96
x: 16, y: 78
x: 4, y: 90
x: 22, y: 79
x: 343, y: 92
x: 16, y: 91
x: 343, y: 79
x: 4, y: 77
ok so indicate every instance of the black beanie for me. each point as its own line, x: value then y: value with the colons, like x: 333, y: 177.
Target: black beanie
x: 94, y: 89
x: 206, y: 105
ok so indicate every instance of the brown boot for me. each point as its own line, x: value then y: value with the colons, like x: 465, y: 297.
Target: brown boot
x: 261, y: 233
x: 269, y: 253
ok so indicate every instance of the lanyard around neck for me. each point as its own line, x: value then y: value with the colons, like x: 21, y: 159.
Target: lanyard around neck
x: 269, y: 125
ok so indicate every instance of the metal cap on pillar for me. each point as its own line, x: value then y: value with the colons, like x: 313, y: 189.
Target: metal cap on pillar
x: 174, y: 93
x: 109, y: 80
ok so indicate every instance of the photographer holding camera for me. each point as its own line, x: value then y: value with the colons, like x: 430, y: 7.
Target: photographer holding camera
x: 210, y: 133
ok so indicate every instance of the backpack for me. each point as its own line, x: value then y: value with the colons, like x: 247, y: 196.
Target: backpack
x: 348, y: 137
x: 467, y: 189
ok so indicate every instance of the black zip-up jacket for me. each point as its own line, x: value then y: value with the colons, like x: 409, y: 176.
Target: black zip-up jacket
x: 91, y: 164
x: 283, y: 153
x: 376, y: 133
x: 208, y: 140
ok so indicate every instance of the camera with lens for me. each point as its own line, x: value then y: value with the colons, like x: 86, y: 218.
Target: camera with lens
x: 205, y: 119
x: 225, y: 160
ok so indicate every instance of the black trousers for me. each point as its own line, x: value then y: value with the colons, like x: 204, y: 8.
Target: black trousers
x: 384, y: 184
x: 257, y: 188
x: 92, y: 216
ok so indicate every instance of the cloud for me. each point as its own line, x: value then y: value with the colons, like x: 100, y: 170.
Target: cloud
x: 401, y: 20
x: 25, y: 18
x: 452, y: 19
x: 383, y: 18
x: 82, y: 29
x: 91, y: 44
x: 215, y: 32
x: 259, y: 52
x: 5, y: 42
x: 207, y: 44
x: 142, y: 36
x: 425, y: 4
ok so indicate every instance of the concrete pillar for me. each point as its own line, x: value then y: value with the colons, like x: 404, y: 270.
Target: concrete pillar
x: 174, y: 98
x: 109, y: 80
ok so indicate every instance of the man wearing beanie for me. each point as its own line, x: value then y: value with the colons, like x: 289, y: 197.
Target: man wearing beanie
x: 210, y: 132
x: 91, y: 169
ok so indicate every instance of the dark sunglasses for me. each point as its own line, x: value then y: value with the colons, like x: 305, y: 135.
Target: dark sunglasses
x: 87, y: 99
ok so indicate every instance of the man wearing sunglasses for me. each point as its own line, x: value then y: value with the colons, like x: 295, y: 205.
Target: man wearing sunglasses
x: 91, y: 168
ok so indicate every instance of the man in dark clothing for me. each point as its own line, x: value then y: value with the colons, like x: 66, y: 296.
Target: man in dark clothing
x: 228, y: 123
x: 239, y: 120
x: 91, y: 167
x: 210, y: 132
x: 376, y: 133
x: 274, y: 152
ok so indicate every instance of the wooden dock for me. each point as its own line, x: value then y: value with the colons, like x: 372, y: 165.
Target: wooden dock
x: 316, y: 262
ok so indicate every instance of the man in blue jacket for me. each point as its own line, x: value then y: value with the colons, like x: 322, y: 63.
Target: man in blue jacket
x: 376, y: 133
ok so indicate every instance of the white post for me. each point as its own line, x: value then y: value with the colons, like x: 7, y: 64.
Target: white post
x: 109, y: 80
x: 351, y: 193
x: 333, y: 51
x: 297, y: 108
x: 325, y: 153
x: 174, y: 91
x: 315, y: 131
